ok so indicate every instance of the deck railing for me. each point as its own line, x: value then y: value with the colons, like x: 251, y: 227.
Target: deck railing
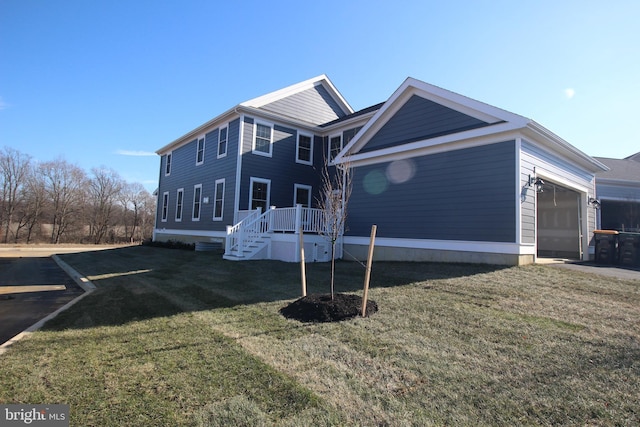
x: 256, y: 224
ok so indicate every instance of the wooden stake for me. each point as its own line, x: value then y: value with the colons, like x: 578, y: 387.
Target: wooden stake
x: 303, y: 271
x: 367, y: 276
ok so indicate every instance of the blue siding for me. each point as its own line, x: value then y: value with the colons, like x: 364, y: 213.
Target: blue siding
x: 281, y: 168
x: 186, y: 174
x: 313, y: 105
x: 420, y: 119
x: 466, y: 195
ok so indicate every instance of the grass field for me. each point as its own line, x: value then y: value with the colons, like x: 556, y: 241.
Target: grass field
x: 180, y: 338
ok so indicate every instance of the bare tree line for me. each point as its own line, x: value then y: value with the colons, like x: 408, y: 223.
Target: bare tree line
x: 58, y: 202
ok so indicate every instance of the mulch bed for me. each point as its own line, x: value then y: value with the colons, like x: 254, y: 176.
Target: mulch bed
x: 321, y: 308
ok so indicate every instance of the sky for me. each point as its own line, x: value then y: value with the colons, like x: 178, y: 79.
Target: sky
x: 107, y: 83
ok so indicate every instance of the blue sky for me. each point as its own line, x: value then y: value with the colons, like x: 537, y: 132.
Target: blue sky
x: 107, y: 83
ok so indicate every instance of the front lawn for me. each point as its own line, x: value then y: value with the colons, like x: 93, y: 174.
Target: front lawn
x: 172, y: 337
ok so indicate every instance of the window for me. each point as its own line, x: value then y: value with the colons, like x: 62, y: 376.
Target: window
x: 200, y: 151
x: 167, y: 165
x: 197, y: 200
x: 179, y: 197
x: 302, y: 195
x: 165, y: 206
x: 335, y: 145
x: 304, y: 151
x: 222, y: 141
x: 262, y: 139
x: 218, y: 200
x: 259, y: 195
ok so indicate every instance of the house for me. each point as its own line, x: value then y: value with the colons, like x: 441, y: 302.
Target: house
x: 443, y: 176
x: 618, y: 190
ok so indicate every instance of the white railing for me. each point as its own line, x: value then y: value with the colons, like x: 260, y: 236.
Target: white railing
x: 255, y: 225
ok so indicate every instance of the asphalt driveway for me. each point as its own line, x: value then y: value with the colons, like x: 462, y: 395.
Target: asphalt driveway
x: 31, y: 289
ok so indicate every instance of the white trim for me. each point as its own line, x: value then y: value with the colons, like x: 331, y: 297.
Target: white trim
x: 255, y: 134
x: 168, y: 163
x: 264, y: 181
x: 484, y: 135
x: 199, y: 200
x: 518, y: 198
x: 392, y: 154
x: 298, y: 160
x: 204, y: 142
x: 226, y: 143
x: 203, y: 233
x: 215, y: 198
x: 447, y: 245
x: 305, y: 187
x: 164, y: 216
x: 181, y: 207
x: 236, y: 196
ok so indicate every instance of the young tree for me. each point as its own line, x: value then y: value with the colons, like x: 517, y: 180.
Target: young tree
x: 337, y: 183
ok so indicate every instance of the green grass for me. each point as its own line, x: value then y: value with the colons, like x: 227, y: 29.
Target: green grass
x: 173, y: 337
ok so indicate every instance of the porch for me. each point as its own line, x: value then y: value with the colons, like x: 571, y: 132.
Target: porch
x: 275, y: 234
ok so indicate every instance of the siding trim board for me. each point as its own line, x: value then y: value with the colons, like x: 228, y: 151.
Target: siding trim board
x: 446, y: 245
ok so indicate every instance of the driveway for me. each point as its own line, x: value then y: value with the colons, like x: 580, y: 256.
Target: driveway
x: 32, y: 285
x: 31, y: 289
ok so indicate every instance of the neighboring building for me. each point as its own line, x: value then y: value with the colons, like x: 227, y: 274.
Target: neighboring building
x: 443, y: 176
x: 618, y: 190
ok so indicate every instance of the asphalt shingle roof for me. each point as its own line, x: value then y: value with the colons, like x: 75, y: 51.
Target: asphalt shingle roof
x: 621, y: 169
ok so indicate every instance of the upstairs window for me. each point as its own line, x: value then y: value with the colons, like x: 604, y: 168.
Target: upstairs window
x: 200, y: 151
x: 218, y: 200
x: 304, y: 151
x: 262, y: 139
x: 167, y: 165
x: 335, y: 145
x: 165, y: 206
x: 222, y: 141
x: 179, y: 197
x: 197, y: 200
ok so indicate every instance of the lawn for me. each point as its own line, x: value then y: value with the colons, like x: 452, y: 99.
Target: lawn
x: 180, y: 338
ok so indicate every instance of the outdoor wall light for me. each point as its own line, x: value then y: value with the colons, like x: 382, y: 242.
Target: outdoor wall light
x: 594, y: 202
x: 537, y: 183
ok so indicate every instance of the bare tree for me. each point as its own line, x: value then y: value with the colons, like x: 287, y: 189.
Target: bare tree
x: 335, y: 193
x: 14, y: 168
x: 104, y: 191
x: 134, y: 199
x: 31, y: 208
x: 65, y: 185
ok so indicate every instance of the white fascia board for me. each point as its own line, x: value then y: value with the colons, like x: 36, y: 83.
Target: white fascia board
x: 540, y: 134
x: 410, y: 87
x: 471, y: 138
x: 446, y: 245
x: 299, y: 87
x: 227, y: 116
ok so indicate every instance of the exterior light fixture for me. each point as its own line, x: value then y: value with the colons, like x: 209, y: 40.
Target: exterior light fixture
x: 537, y: 183
x: 594, y: 202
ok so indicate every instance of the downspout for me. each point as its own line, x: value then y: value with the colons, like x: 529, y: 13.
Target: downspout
x: 236, y: 198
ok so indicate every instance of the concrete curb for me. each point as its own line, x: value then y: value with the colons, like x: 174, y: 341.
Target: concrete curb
x: 82, y: 281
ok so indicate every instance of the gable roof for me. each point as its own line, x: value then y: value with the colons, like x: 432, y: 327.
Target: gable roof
x: 315, y: 101
x: 634, y: 157
x: 468, y: 119
x: 309, y: 104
